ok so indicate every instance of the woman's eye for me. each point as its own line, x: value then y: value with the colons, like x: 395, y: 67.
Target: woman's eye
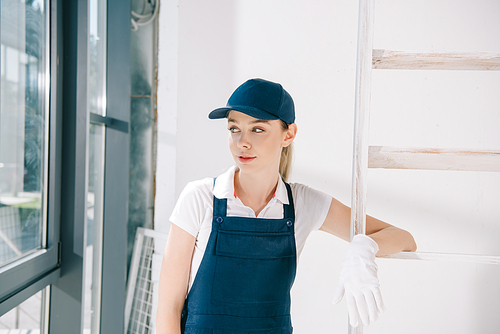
x: 257, y: 130
x: 233, y: 129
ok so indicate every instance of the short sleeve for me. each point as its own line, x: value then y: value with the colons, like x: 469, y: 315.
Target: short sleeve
x: 312, y: 204
x: 194, y: 203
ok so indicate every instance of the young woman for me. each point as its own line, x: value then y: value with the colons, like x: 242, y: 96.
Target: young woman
x: 231, y: 255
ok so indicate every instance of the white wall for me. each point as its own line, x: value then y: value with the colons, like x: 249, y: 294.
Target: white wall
x: 207, y: 48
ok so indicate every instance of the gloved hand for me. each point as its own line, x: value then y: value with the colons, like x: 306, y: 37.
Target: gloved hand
x: 359, y: 282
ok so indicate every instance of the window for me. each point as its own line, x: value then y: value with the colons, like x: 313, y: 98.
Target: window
x: 94, y: 166
x: 28, y: 256
x: 23, y: 133
x: 64, y: 188
x: 29, y: 316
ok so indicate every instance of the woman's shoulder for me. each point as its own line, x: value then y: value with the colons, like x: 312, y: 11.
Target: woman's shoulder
x: 198, y: 190
x: 191, y: 207
x: 300, y: 188
x: 303, y: 192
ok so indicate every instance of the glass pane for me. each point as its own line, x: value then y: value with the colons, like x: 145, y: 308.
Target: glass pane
x: 23, y: 129
x: 97, y: 54
x: 27, y: 317
x: 93, y: 254
x: 97, y: 105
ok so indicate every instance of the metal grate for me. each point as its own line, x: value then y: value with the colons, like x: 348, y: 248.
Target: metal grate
x: 143, y: 281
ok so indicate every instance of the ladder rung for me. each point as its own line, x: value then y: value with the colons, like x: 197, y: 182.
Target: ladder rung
x: 417, y: 60
x: 433, y: 159
x: 482, y: 259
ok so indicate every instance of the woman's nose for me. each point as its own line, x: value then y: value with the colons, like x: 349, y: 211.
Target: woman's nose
x: 243, y: 142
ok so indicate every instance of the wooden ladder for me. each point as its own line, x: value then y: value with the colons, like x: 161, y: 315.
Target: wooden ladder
x: 365, y: 156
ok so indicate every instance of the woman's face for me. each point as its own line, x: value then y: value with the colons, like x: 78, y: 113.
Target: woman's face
x: 256, y: 144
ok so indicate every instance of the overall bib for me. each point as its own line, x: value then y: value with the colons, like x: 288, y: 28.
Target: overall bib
x: 243, y: 283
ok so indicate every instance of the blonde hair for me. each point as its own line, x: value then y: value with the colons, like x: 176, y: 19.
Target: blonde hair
x: 285, y: 168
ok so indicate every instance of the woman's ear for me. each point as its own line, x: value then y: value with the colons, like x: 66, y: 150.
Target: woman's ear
x: 290, y: 134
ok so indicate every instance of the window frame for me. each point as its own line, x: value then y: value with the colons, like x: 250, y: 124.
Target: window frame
x: 67, y: 293
x: 32, y: 272
x: 61, y: 263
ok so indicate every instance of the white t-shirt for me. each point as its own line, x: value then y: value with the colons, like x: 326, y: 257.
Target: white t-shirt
x: 194, y: 210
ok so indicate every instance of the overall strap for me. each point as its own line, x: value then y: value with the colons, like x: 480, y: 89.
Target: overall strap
x: 220, y: 205
x: 289, y: 209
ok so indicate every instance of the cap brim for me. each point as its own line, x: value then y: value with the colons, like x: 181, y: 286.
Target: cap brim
x: 219, y: 113
x: 250, y: 111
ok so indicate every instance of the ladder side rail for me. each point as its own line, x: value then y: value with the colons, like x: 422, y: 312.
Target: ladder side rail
x: 361, y: 122
x: 362, y: 118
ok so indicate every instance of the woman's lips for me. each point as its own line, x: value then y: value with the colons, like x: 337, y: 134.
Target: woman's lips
x: 245, y: 159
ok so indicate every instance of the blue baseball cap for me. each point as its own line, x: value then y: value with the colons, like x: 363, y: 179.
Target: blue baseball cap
x: 260, y: 99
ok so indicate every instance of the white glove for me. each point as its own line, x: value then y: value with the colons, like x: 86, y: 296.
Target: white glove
x: 359, y: 282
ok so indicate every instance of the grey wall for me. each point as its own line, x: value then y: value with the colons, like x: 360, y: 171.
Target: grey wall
x: 208, y: 49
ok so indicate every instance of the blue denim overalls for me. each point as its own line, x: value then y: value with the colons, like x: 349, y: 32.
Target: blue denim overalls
x: 243, y: 283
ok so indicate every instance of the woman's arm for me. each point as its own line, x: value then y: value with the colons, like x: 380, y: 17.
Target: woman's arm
x: 390, y: 239
x: 174, y: 280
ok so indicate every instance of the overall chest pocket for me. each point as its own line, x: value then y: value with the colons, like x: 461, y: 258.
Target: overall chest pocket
x: 253, y: 268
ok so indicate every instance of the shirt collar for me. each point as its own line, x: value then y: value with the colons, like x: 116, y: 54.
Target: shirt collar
x: 224, y: 186
x: 281, y: 192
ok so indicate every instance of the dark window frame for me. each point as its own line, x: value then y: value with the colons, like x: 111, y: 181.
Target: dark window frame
x: 61, y: 264
x: 34, y: 271
x: 66, y: 307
